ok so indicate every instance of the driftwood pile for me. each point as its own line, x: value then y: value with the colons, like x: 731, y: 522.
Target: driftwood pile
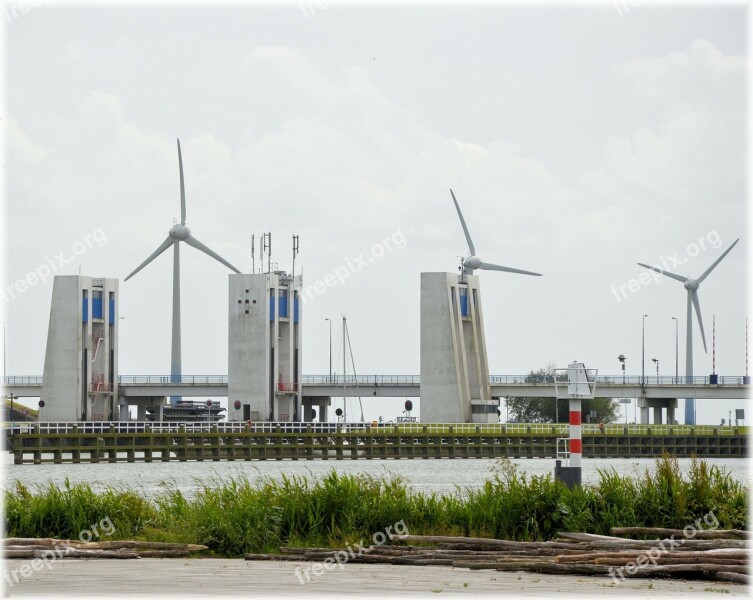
x: 718, y: 555
x: 53, y: 549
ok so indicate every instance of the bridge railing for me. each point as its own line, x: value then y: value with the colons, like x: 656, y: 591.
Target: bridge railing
x: 365, y: 380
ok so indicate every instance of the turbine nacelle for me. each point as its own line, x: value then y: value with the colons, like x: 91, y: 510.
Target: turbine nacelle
x: 179, y: 232
x: 471, y: 262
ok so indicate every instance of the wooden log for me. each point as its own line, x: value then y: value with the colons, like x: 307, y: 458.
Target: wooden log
x: 589, y: 556
x: 114, y: 544
x: 536, y: 566
x: 664, y: 560
x: 277, y: 557
x: 696, y: 569
x: 709, y: 534
x: 163, y: 553
x: 733, y: 577
x: 34, y: 542
x: 78, y: 553
x: 18, y: 554
x: 441, y: 539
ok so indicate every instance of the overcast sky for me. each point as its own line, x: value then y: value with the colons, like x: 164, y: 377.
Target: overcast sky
x: 578, y: 141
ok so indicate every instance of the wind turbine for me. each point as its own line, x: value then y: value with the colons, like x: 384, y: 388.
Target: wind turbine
x: 470, y: 263
x: 178, y: 233
x: 692, y: 286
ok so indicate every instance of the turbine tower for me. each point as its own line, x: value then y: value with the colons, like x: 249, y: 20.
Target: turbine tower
x: 692, y: 286
x: 179, y: 233
x: 455, y: 385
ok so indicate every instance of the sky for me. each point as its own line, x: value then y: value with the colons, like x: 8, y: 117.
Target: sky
x: 578, y: 139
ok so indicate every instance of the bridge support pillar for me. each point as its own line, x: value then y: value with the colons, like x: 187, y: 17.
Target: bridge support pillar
x: 657, y: 415
x: 671, y: 413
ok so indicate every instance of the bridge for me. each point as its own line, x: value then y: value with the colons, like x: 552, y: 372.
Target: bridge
x: 397, y: 386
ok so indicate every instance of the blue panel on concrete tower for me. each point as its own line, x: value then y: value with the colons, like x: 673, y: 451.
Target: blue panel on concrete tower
x: 112, y: 311
x: 96, y: 308
x: 271, y: 306
x: 85, y: 310
x: 463, y: 304
x: 295, y: 310
x: 284, y: 306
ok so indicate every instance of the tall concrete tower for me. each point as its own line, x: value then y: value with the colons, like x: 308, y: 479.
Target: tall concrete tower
x: 264, y: 354
x: 80, y: 381
x: 454, y: 369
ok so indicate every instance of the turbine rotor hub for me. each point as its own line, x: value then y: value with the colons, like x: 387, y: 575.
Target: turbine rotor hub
x: 472, y: 262
x: 691, y: 285
x: 179, y: 232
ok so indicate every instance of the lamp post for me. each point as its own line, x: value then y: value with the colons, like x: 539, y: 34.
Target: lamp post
x: 330, y: 348
x: 676, y: 348
x: 643, y: 350
x: 656, y: 362
x: 622, y: 358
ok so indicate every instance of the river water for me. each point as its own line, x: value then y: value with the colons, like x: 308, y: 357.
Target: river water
x: 435, y: 475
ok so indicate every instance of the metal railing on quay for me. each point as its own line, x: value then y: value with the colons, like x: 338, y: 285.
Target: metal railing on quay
x: 558, y: 429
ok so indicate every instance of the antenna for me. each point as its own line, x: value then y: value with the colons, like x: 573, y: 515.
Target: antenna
x: 713, y: 344
x: 269, y: 252
x: 266, y: 244
x: 295, y: 251
x: 253, y: 263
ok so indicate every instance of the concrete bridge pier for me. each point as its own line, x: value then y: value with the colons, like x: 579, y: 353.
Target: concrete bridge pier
x: 317, y: 403
x: 644, y: 404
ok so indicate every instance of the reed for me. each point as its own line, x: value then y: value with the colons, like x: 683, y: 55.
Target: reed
x: 234, y: 516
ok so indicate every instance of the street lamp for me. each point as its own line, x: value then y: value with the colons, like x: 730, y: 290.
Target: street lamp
x: 330, y: 348
x: 656, y: 362
x: 676, y: 347
x: 643, y: 350
x: 622, y: 358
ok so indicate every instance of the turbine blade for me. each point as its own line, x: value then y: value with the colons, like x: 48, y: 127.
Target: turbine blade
x: 667, y: 273
x: 465, y: 229
x: 164, y: 246
x: 697, y: 304
x: 716, y: 262
x: 182, y: 188
x: 192, y: 241
x: 491, y: 267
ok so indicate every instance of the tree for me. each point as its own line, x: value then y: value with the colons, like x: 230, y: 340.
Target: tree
x: 551, y: 410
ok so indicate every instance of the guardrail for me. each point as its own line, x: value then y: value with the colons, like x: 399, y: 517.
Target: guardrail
x: 399, y: 380
x: 556, y: 429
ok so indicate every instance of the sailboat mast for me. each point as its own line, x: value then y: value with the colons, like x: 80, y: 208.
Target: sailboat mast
x: 345, y: 400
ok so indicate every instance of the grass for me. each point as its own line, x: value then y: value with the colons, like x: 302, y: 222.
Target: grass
x: 233, y: 516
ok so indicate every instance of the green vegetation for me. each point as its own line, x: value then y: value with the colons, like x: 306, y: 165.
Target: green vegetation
x: 549, y: 410
x: 234, y: 516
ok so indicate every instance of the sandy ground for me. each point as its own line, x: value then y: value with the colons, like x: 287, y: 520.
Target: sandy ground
x: 236, y: 577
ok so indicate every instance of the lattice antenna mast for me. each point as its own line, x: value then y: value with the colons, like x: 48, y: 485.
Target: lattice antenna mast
x: 713, y: 344
x: 253, y: 259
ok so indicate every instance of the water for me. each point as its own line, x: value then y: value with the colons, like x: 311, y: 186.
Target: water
x: 441, y: 475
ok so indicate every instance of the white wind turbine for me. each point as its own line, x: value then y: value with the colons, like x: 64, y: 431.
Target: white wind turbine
x: 473, y: 262
x: 179, y: 233
x: 692, y: 286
